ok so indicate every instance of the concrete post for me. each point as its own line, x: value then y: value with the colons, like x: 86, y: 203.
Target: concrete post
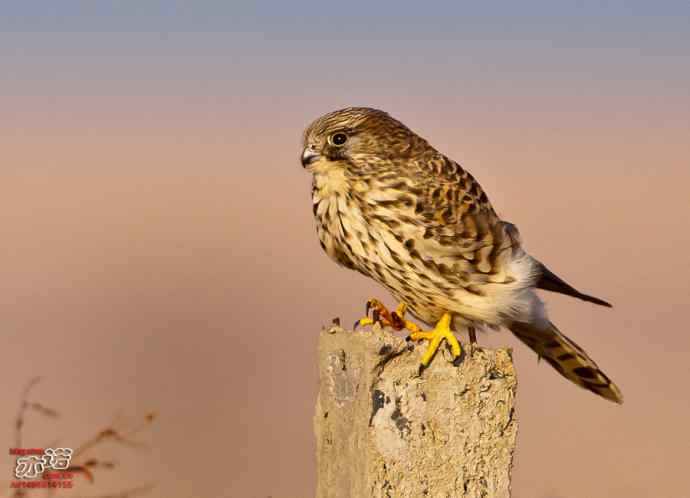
x: 382, y: 430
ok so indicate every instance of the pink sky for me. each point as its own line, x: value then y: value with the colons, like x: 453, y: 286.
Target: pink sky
x: 159, y: 251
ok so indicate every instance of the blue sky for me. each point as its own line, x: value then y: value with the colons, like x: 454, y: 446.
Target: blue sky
x: 580, y: 23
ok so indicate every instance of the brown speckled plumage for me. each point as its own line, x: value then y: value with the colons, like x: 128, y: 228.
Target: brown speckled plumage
x: 391, y: 207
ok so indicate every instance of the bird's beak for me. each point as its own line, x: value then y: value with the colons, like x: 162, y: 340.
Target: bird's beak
x: 309, y: 156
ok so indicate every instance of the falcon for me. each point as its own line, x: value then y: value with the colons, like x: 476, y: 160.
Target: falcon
x: 390, y: 206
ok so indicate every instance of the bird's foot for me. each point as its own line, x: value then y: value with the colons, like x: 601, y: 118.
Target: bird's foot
x: 441, y: 331
x: 381, y: 314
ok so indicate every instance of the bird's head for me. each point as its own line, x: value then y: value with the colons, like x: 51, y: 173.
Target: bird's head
x: 356, y: 138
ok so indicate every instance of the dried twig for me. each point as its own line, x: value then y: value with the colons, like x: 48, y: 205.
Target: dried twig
x: 119, y: 436
x: 79, y: 464
x: 21, y: 413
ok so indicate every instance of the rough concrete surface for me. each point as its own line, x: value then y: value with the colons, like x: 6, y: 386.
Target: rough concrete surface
x: 382, y: 430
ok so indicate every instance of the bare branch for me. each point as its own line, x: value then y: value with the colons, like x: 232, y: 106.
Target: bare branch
x: 23, y: 405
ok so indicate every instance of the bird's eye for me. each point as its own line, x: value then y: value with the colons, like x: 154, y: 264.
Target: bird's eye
x: 338, y: 139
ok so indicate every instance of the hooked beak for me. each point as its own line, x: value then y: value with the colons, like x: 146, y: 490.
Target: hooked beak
x: 309, y: 156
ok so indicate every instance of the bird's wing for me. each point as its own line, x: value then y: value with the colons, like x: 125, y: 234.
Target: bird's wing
x: 464, y: 230
x: 461, y: 230
x: 549, y: 281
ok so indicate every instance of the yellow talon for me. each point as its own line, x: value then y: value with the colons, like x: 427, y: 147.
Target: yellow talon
x: 395, y: 320
x: 441, y: 331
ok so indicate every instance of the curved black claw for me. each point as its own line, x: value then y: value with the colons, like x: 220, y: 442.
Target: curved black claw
x: 457, y: 361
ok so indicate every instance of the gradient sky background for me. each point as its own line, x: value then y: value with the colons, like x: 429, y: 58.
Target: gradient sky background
x: 158, y: 248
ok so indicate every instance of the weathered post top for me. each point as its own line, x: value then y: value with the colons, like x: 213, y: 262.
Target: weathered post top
x: 382, y: 430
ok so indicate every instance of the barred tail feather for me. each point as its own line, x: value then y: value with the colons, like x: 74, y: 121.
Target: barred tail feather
x: 569, y: 359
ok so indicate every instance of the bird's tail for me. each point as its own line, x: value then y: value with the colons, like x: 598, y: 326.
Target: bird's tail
x: 569, y: 359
